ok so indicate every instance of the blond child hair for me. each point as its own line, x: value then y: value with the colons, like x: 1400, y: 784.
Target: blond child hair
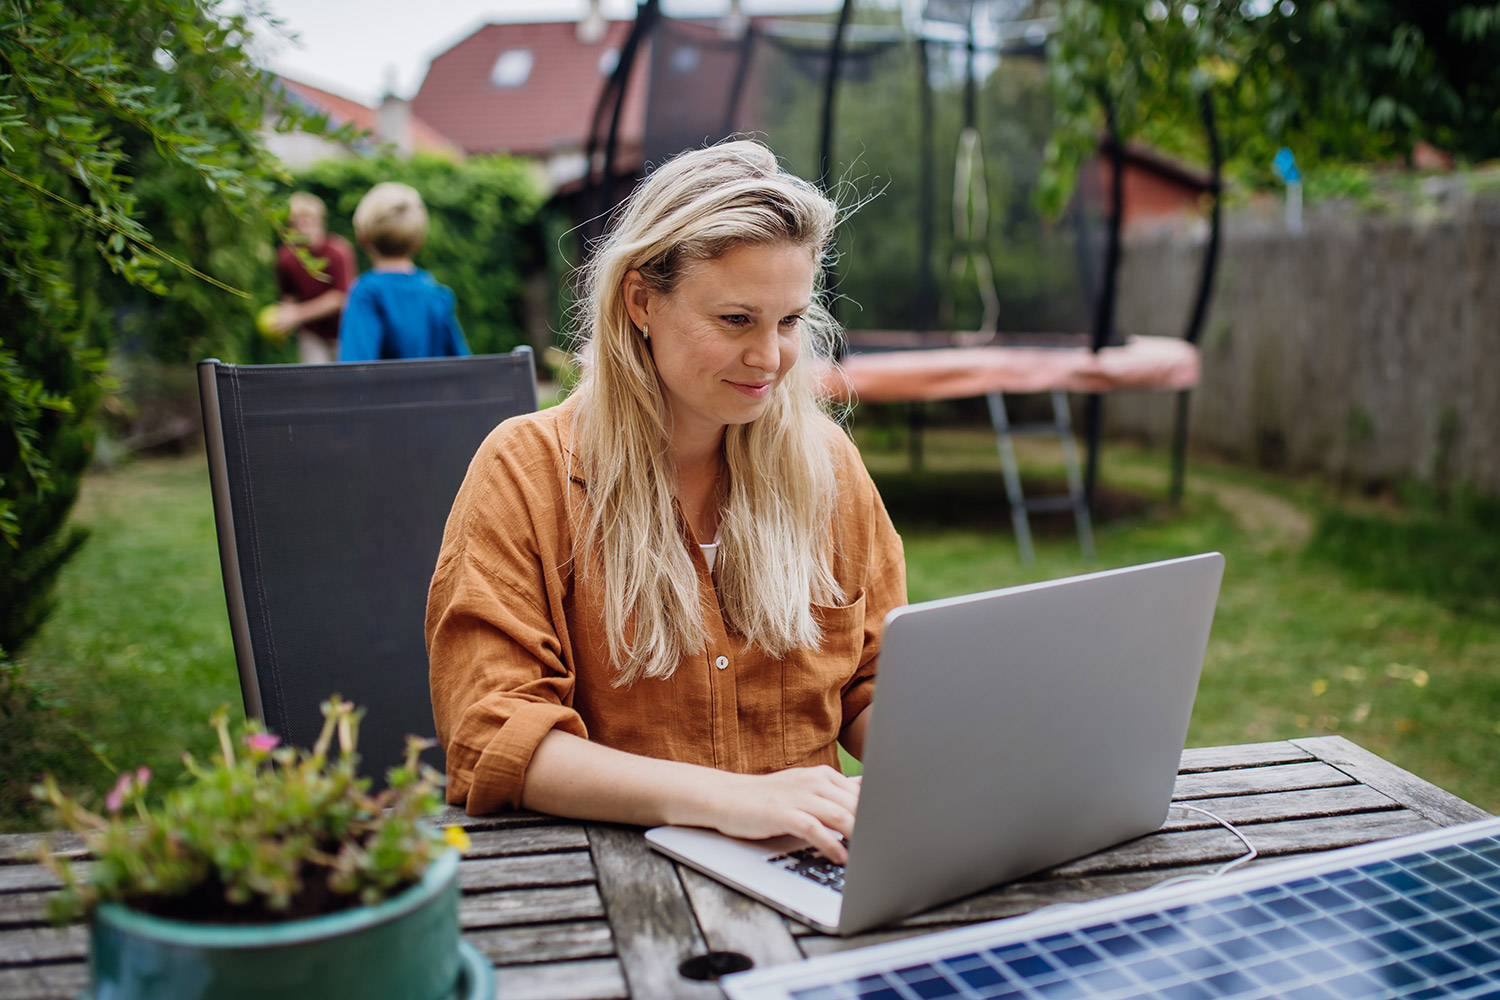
x: 391, y: 220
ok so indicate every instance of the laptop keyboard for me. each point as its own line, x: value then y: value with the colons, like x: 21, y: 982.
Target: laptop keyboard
x: 808, y: 863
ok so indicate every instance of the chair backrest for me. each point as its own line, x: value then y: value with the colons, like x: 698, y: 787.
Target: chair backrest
x: 331, y: 486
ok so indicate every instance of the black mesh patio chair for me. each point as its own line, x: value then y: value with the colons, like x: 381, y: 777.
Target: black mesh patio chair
x: 331, y: 486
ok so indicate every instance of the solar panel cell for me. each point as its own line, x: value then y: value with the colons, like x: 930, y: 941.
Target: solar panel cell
x: 1362, y: 920
x: 1365, y: 889
x: 1276, y: 972
x: 984, y: 976
x: 934, y: 989
x: 1399, y: 910
x: 1241, y: 949
x: 1104, y: 981
x: 1356, y: 986
x: 1030, y: 966
x: 1077, y: 957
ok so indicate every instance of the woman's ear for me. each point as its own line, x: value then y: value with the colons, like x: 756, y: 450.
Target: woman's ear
x: 637, y: 296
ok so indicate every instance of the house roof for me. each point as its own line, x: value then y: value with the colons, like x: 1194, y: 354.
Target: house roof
x: 1190, y: 178
x: 342, y: 110
x: 550, y: 111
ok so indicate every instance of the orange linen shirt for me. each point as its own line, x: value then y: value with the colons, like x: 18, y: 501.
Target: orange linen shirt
x: 516, y: 639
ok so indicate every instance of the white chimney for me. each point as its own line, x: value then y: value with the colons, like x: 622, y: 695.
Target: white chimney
x: 393, y: 123
x: 734, y: 22
x: 592, y: 28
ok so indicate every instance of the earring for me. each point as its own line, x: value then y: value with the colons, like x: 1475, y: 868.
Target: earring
x: 646, y: 331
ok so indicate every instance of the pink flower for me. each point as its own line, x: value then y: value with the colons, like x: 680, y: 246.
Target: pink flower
x: 116, y: 797
x: 142, y: 775
x: 262, y: 742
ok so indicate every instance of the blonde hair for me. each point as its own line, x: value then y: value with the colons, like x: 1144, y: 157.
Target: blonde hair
x: 391, y: 219
x: 774, y: 523
x: 304, y: 201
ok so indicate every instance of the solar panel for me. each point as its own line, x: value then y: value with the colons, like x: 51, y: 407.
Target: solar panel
x: 1415, y: 917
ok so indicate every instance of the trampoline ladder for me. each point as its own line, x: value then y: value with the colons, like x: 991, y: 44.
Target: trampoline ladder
x: 1020, y: 506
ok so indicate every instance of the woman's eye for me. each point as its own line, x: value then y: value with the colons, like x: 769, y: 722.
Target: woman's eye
x: 790, y: 320
x: 736, y: 319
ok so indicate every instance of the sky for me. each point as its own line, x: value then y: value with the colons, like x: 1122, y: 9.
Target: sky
x: 362, y: 50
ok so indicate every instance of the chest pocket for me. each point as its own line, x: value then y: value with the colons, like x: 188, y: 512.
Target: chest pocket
x: 812, y: 682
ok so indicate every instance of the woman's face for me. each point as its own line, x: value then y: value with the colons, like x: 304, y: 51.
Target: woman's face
x: 722, y: 338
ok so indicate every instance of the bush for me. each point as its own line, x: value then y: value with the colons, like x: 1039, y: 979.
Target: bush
x: 98, y: 102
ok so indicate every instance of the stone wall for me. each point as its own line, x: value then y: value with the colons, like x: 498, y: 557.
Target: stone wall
x: 1367, y: 347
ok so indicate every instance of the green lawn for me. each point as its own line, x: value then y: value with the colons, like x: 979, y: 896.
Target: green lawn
x: 1366, y: 618
x: 138, y: 649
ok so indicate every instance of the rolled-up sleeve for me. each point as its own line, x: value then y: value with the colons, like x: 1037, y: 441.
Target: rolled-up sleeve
x: 498, y: 652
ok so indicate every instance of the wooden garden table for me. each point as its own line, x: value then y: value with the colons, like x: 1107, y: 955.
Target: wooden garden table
x: 587, y: 910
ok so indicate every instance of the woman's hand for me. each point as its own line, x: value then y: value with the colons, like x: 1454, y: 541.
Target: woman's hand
x: 816, y: 804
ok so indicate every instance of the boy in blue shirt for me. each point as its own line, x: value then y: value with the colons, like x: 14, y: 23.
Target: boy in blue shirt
x: 396, y: 309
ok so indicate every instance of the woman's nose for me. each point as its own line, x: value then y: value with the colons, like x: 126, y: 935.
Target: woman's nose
x: 764, y: 349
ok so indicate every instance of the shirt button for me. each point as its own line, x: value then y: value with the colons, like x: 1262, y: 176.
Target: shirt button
x: 722, y: 662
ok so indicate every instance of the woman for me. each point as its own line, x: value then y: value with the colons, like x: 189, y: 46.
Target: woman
x: 661, y: 601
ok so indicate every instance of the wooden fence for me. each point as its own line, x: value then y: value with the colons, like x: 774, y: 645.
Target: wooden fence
x: 1367, y: 347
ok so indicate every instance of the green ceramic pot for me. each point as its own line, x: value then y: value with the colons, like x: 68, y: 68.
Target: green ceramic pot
x: 407, y: 947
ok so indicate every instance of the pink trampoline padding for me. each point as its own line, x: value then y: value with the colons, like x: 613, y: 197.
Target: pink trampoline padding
x: 1142, y: 363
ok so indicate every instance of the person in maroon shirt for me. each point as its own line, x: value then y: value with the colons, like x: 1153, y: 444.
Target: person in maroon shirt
x: 311, y: 303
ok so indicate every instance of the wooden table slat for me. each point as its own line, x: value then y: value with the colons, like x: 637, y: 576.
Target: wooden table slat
x: 530, y: 906
x: 532, y: 871
x: 655, y: 931
x: 1243, y: 755
x: 593, y: 979
x: 29, y: 878
x: 454, y: 816
x: 23, y: 908
x: 1187, y: 847
x: 43, y: 982
x: 1253, y: 780
x: 22, y: 847
x: 37, y: 945
x: 552, y: 942
x: 732, y: 921
x: 515, y: 840
x: 1442, y: 807
x: 1300, y: 803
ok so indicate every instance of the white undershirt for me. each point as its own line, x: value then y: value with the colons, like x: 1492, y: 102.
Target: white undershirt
x: 710, y: 553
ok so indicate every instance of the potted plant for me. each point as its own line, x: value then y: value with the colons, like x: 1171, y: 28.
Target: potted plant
x: 272, y: 872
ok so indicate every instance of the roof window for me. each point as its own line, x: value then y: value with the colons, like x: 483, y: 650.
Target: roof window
x: 512, y: 68
x: 685, y: 60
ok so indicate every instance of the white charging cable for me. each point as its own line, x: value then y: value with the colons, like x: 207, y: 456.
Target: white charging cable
x: 1250, y: 852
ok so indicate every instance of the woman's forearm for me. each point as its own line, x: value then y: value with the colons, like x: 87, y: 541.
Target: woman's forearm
x: 570, y: 776
x: 574, y: 777
x: 853, y: 736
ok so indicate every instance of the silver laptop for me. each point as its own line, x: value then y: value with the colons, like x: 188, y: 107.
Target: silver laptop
x: 1011, y: 731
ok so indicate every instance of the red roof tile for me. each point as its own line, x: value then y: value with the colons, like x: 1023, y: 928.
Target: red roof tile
x: 551, y: 112
x: 342, y: 110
